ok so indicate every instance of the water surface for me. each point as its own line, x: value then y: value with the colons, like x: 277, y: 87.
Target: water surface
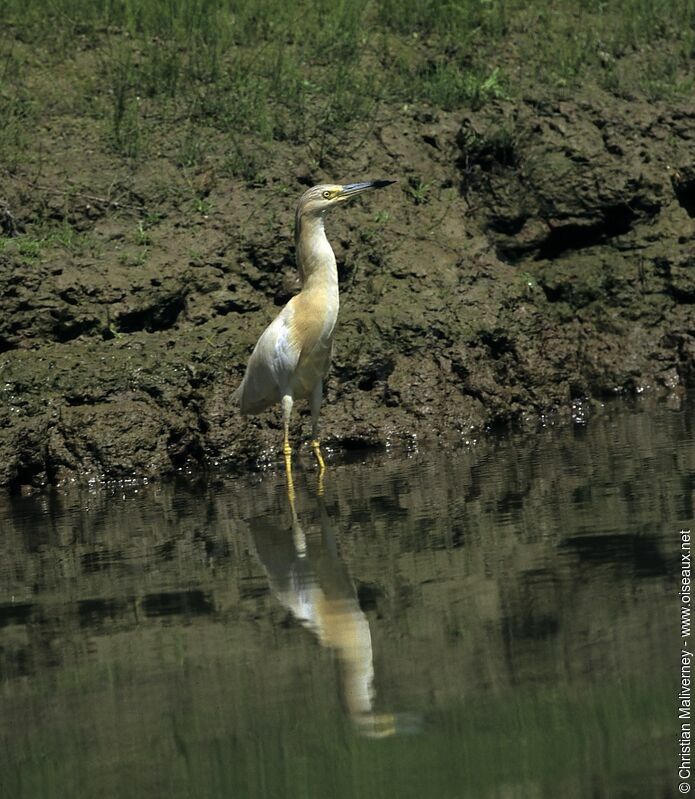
x: 496, y: 622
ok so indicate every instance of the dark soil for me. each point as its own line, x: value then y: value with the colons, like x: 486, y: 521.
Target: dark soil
x: 533, y: 253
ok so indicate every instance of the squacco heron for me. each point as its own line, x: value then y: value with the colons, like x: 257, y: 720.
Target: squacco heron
x: 291, y: 358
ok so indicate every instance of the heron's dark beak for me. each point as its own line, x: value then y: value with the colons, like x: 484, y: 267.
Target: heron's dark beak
x: 353, y: 189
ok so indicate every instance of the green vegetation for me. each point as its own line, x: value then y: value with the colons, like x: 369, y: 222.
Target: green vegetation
x: 307, y: 71
x: 46, y: 236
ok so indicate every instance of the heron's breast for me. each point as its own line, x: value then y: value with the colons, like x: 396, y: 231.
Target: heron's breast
x: 313, y: 323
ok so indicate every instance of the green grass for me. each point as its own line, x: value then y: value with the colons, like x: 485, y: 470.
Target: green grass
x: 308, y: 72
x: 45, y: 236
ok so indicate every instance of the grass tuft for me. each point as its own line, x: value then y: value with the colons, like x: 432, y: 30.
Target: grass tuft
x: 310, y: 72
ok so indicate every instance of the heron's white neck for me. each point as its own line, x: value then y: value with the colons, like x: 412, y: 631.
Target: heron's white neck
x: 315, y: 257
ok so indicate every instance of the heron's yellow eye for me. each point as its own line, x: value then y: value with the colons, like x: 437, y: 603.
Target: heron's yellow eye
x: 326, y: 195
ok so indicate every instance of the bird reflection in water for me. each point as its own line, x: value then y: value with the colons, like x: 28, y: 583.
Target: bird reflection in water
x: 308, y: 577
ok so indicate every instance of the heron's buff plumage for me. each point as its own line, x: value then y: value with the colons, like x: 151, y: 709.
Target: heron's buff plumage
x: 293, y: 354
x: 310, y: 325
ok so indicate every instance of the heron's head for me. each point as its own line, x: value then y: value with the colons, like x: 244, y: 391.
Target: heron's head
x: 318, y: 200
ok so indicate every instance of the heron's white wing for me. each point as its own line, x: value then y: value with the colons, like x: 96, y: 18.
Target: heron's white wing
x: 271, y: 365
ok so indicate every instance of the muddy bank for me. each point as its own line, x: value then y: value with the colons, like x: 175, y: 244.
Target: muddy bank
x: 533, y: 253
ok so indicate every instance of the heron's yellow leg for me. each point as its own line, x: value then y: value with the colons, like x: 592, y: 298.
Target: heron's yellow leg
x: 287, y: 449
x: 290, y: 480
x: 316, y: 446
x: 322, y: 466
x: 316, y: 398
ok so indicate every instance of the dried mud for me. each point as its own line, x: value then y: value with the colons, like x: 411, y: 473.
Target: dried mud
x: 533, y: 253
